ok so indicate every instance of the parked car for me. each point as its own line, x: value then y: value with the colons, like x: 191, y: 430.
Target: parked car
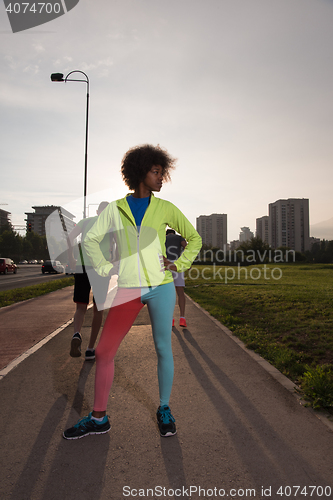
x: 7, y: 266
x: 23, y: 262
x: 52, y: 266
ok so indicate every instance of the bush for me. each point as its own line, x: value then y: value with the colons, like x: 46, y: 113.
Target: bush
x: 317, y: 386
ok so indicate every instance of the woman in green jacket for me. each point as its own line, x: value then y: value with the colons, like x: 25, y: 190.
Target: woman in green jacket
x: 138, y: 223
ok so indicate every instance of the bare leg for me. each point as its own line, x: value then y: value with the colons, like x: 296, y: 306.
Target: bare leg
x: 181, y: 300
x: 95, y: 326
x: 79, y: 316
x: 98, y: 414
x: 76, y: 341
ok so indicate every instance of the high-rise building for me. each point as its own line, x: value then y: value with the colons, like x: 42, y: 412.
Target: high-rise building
x: 5, y: 218
x: 36, y: 220
x: 245, y: 234
x: 262, y: 228
x: 213, y: 229
x: 289, y: 224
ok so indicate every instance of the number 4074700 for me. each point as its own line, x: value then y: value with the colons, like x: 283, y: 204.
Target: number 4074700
x: 35, y: 8
x: 311, y: 491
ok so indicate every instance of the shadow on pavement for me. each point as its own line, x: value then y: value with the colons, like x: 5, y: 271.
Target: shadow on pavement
x: 173, y: 462
x: 80, y: 392
x: 77, y: 467
x: 30, y: 475
x: 259, y: 447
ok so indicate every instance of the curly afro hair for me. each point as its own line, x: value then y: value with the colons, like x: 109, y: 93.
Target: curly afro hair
x: 138, y: 161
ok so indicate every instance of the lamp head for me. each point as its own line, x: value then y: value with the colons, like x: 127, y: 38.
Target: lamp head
x: 57, y: 77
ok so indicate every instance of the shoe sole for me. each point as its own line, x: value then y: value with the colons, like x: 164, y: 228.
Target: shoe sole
x: 75, y: 351
x: 168, y: 434
x: 84, y: 435
x: 90, y: 358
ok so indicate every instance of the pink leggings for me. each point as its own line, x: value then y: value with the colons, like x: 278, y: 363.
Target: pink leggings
x: 125, y: 308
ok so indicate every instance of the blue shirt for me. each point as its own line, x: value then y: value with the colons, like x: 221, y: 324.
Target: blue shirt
x: 138, y: 208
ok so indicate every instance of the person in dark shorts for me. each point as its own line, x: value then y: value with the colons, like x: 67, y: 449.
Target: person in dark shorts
x: 174, y: 245
x: 85, y: 279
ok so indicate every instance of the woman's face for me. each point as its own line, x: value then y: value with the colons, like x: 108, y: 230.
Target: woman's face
x: 154, y: 178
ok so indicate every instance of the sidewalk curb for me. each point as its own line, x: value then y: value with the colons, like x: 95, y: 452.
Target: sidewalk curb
x: 325, y: 417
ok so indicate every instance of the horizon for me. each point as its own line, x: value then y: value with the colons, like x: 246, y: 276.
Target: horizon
x: 323, y: 229
x: 241, y: 93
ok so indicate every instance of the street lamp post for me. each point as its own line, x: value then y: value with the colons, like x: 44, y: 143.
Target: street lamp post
x: 59, y: 77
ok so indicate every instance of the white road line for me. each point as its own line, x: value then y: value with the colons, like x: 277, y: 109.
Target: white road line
x: 25, y: 355
x: 32, y: 349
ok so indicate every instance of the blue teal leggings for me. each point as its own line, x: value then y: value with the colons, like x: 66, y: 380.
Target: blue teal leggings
x: 126, y: 306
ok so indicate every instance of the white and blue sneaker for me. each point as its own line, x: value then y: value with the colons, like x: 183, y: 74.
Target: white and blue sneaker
x: 86, y: 426
x: 166, y: 422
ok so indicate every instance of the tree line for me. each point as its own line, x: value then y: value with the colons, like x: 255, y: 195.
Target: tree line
x: 256, y: 251
x: 17, y: 247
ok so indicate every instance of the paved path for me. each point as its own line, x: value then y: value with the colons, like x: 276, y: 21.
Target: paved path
x: 241, y: 433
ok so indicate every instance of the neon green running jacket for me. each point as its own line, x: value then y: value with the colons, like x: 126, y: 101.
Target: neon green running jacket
x: 141, y: 252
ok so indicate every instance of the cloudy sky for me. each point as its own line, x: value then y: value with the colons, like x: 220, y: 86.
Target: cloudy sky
x: 240, y: 91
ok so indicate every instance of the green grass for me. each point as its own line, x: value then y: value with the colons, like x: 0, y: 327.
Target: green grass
x: 317, y: 385
x: 286, y: 317
x: 18, y: 294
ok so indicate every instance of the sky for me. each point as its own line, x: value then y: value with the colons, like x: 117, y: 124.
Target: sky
x: 239, y: 91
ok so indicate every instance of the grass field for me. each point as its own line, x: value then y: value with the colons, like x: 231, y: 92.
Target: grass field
x: 282, y: 311
x: 18, y: 294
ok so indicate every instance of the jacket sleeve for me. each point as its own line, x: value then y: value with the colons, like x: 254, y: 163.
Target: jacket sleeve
x: 182, y: 225
x: 93, y: 238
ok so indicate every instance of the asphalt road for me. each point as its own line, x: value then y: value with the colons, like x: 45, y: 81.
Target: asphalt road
x: 241, y: 433
x: 27, y: 274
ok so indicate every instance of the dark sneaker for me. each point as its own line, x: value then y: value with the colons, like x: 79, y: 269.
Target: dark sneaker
x: 87, y: 426
x: 90, y: 354
x: 75, y: 351
x: 166, y: 422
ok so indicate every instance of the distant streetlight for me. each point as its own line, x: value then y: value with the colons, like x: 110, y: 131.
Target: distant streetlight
x: 59, y: 77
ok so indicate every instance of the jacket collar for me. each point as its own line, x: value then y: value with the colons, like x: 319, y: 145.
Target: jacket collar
x: 122, y: 203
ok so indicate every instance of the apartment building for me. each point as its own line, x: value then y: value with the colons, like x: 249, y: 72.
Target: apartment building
x: 245, y: 234
x: 5, y: 218
x: 213, y: 229
x: 262, y: 228
x: 289, y: 224
x: 36, y: 220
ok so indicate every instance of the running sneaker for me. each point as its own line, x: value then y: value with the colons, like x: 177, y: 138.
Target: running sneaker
x: 166, y: 422
x: 182, y: 322
x: 90, y: 354
x: 75, y: 351
x: 87, y: 426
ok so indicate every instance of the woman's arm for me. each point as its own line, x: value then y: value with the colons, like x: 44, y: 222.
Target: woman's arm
x: 182, y: 225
